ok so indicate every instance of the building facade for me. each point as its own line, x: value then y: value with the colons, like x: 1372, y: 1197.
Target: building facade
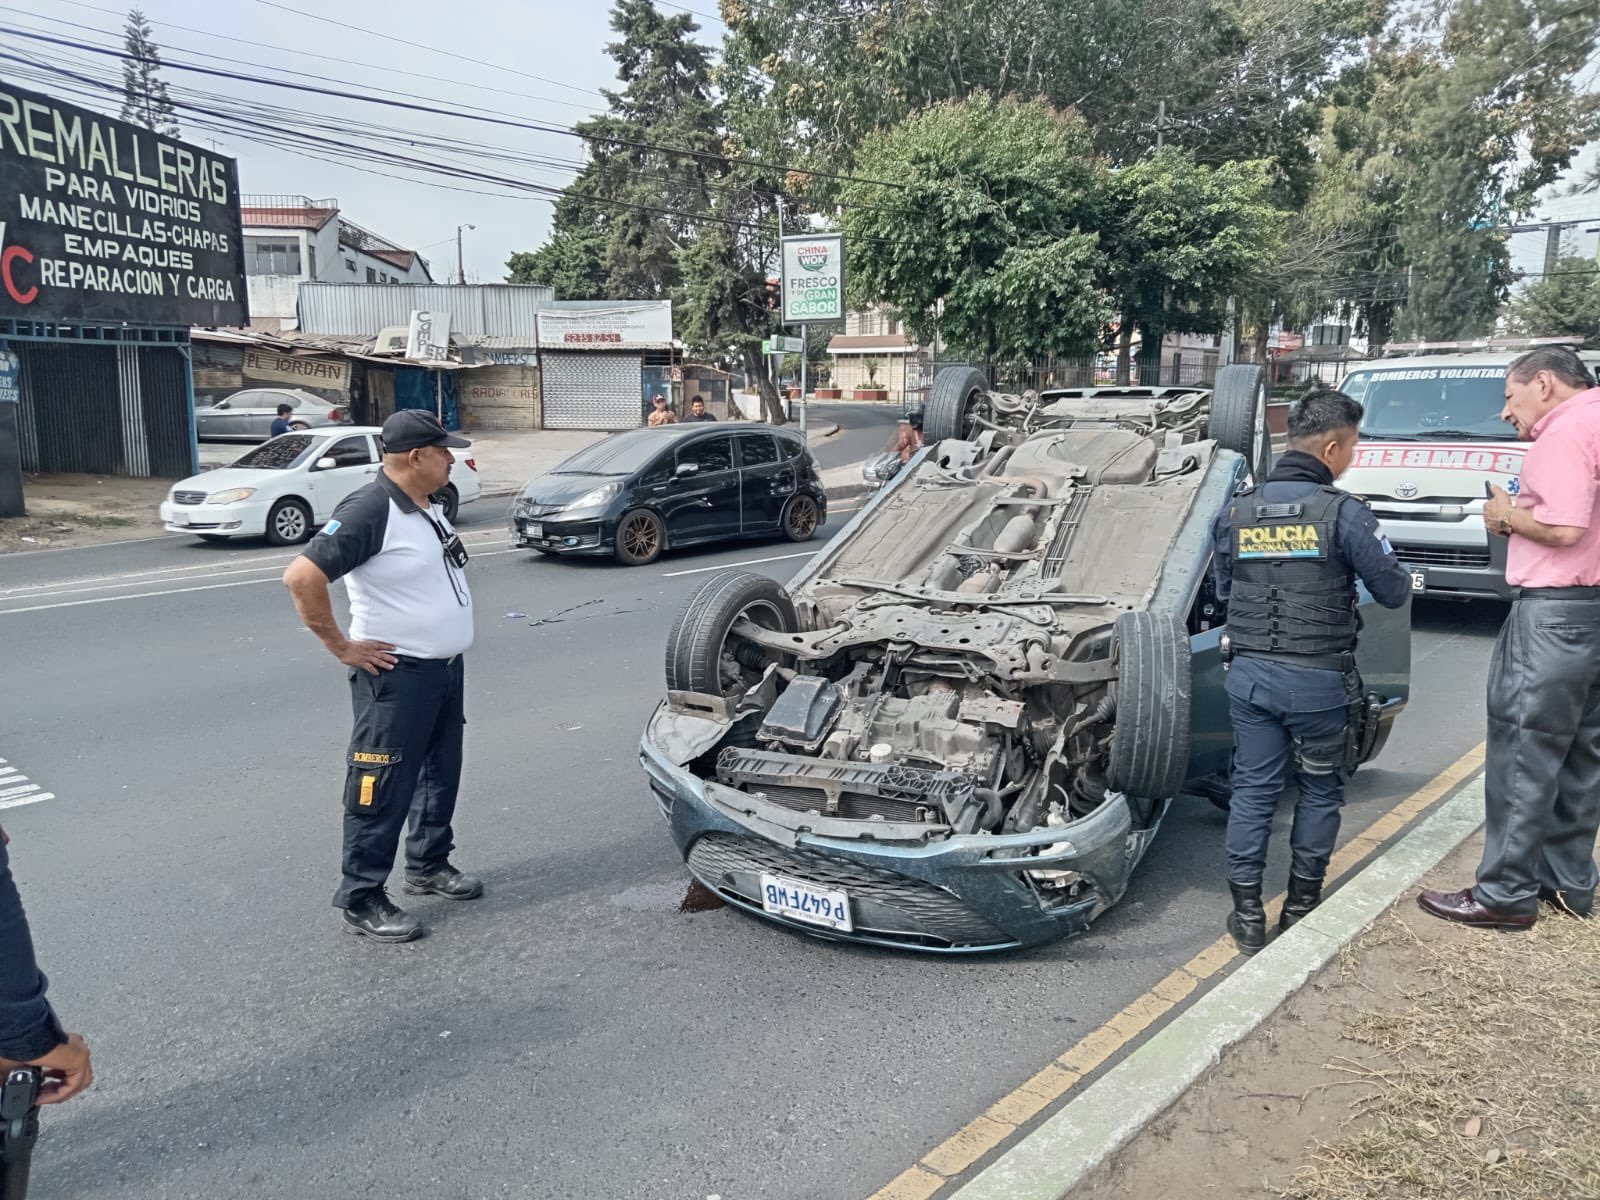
x: 291, y: 240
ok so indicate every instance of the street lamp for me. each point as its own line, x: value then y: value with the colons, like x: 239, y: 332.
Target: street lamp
x: 461, y: 272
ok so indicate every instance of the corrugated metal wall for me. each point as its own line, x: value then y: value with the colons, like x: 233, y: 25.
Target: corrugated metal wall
x: 104, y: 409
x: 499, y: 309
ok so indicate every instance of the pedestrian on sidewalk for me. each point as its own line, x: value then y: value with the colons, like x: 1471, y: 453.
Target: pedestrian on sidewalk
x: 660, y: 414
x: 280, y: 423
x: 1287, y: 554
x: 410, y: 624
x: 1541, y: 782
x: 697, y: 411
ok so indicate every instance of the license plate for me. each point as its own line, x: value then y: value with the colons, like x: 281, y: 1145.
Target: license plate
x: 785, y: 897
x: 180, y: 518
x: 1419, y: 581
x: 535, y: 531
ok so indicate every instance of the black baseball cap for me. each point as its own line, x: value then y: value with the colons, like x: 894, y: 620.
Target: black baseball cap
x: 411, y: 429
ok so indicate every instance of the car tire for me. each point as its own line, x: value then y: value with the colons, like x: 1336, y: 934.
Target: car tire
x: 1239, y: 416
x: 702, y: 656
x: 449, y: 501
x: 298, y: 426
x: 801, y: 516
x: 1150, y: 743
x: 289, y: 523
x: 640, y: 538
x: 951, y: 402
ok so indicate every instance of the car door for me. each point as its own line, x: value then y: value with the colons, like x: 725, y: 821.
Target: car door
x: 355, y: 463
x: 223, y: 420
x: 702, y: 499
x: 766, y: 481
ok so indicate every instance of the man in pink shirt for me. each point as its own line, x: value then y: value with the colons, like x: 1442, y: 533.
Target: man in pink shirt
x: 1542, y: 779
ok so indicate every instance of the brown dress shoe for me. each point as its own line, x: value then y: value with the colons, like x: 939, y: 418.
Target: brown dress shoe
x: 1464, y: 909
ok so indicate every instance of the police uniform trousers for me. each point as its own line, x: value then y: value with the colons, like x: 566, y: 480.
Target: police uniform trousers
x: 1285, y: 714
x: 404, y: 761
x: 1542, y: 778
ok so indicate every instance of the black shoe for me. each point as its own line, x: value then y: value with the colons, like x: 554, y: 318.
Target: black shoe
x: 381, y: 919
x: 447, y: 882
x: 1577, y: 904
x: 1248, y: 920
x: 1304, y: 895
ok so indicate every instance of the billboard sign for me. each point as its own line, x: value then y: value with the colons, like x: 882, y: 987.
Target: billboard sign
x: 813, y: 278
x: 428, y: 337
x: 606, y: 326
x: 103, y: 221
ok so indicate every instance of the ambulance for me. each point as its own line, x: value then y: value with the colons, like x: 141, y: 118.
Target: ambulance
x: 1432, y: 442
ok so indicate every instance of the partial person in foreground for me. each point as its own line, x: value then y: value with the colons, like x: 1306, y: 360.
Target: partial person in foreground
x: 30, y: 1034
x: 410, y: 624
x: 1287, y: 554
x: 1542, y: 776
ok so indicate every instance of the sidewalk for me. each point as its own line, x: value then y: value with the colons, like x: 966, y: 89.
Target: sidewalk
x: 1427, y: 1060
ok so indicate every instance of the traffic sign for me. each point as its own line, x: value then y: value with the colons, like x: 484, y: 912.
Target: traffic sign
x: 783, y: 345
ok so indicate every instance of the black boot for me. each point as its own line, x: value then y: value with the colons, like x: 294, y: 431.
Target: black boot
x: 1304, y: 895
x: 1248, y: 920
x: 380, y: 918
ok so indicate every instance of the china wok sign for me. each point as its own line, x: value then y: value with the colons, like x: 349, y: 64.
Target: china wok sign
x: 101, y: 220
x: 813, y: 278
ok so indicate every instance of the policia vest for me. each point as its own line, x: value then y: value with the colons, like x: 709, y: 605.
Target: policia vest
x: 1292, y: 597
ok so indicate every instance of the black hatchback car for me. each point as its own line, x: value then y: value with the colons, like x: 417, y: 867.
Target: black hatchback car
x: 641, y: 492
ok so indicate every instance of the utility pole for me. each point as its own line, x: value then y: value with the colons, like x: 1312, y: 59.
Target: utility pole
x: 461, y: 270
x: 1161, y: 124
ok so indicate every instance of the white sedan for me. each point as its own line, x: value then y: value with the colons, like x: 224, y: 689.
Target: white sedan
x: 286, y: 488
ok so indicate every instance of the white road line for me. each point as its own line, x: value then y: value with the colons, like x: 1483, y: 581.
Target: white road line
x: 106, y: 587
x: 208, y: 587
x: 19, y: 790
x: 749, y: 562
x: 27, y: 800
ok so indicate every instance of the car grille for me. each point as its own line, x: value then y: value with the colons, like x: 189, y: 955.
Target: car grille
x: 527, y: 509
x: 927, y: 916
x: 852, y: 805
x: 1443, y: 556
x: 188, y: 497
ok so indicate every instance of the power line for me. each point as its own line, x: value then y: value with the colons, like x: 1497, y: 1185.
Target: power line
x: 435, y: 110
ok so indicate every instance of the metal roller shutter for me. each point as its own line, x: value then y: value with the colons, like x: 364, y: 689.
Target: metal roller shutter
x: 591, y: 391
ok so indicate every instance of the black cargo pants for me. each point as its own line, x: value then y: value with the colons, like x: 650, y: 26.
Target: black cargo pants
x: 404, y: 761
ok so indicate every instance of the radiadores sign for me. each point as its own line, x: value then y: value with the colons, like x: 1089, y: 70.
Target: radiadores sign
x: 103, y: 221
x: 813, y: 278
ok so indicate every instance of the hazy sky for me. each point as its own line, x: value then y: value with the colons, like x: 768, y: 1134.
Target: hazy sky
x: 500, y: 44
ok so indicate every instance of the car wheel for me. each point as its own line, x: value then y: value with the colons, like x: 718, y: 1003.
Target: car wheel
x: 704, y: 651
x: 640, y: 538
x: 801, y: 516
x: 1150, y: 742
x: 299, y: 426
x: 1239, y: 416
x: 449, y: 501
x: 289, y: 523
x: 956, y: 398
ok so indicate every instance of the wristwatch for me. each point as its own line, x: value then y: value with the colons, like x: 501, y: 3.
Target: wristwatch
x: 1505, y: 521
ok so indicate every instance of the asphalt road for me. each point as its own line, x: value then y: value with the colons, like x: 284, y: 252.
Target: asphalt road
x: 865, y: 429
x: 571, y: 1035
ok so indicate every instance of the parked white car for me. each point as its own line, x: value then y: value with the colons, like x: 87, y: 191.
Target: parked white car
x: 286, y: 488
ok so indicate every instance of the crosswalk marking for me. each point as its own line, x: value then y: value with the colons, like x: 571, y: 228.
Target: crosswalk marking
x: 17, y: 789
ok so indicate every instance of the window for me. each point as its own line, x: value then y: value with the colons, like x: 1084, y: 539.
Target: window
x: 350, y: 265
x: 350, y: 452
x: 709, y: 454
x: 790, y: 448
x: 372, y: 276
x: 757, y: 450
x: 280, y: 452
x: 271, y: 256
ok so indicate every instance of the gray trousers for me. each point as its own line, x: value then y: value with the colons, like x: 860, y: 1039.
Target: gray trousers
x: 1542, y: 781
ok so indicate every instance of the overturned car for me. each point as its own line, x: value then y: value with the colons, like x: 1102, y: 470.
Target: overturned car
x: 960, y: 725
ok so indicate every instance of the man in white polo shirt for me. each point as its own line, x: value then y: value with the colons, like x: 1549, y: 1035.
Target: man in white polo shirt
x: 410, y: 623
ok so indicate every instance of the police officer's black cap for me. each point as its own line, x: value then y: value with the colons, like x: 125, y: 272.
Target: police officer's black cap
x: 411, y: 429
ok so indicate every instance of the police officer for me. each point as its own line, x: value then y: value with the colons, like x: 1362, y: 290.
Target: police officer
x: 410, y: 623
x: 1287, y: 556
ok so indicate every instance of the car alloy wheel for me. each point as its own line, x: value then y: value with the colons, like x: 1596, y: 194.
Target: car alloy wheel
x: 639, y: 538
x: 800, y: 519
x: 289, y: 523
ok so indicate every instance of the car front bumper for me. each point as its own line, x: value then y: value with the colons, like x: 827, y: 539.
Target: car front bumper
x: 556, y: 535
x: 245, y: 519
x: 957, y: 894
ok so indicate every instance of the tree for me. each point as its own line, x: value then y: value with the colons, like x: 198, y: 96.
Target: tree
x: 981, y: 237
x: 653, y: 158
x: 144, y: 93
x: 1567, y: 301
